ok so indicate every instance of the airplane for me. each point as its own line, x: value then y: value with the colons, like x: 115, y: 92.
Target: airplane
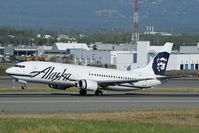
x: 63, y: 76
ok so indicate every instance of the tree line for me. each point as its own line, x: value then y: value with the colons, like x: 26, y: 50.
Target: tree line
x: 28, y: 37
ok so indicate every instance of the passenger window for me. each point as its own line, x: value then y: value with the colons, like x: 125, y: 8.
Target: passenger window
x: 20, y: 66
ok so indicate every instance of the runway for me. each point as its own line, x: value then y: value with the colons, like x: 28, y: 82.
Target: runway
x: 39, y: 103
x: 48, y: 102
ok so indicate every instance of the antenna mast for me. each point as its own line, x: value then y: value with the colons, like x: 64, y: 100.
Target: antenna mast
x: 135, y: 35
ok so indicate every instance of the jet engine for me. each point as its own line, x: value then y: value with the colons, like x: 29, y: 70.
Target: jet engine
x: 88, y: 85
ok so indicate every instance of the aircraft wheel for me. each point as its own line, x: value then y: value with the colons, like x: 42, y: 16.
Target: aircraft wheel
x: 83, y: 92
x: 98, y: 93
x: 23, y: 87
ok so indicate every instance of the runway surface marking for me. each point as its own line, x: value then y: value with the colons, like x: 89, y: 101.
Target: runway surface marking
x: 99, y: 101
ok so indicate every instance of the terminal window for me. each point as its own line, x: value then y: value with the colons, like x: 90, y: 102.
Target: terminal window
x: 192, y: 66
x: 135, y: 58
x: 181, y: 67
x: 186, y: 66
x: 196, y: 66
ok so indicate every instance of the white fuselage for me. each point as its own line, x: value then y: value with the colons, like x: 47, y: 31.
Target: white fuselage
x: 65, y: 74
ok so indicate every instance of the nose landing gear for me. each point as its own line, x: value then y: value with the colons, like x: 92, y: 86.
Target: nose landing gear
x: 23, y: 87
x: 23, y: 84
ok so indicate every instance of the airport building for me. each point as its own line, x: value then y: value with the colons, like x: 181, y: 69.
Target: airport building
x: 20, y: 51
x: 85, y: 57
x: 185, y: 59
x: 111, y: 47
x: 1, y: 50
x: 64, y: 48
x: 124, y: 59
x: 122, y: 56
x: 56, y: 49
x: 42, y: 50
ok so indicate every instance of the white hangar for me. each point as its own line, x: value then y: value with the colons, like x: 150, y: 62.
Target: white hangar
x: 185, y: 59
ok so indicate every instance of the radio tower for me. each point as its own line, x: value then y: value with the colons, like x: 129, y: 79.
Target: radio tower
x: 135, y: 35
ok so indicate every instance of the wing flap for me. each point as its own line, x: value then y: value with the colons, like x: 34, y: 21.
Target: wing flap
x: 118, y: 82
x: 173, y: 77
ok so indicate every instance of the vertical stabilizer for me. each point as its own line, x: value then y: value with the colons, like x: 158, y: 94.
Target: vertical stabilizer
x: 159, y: 63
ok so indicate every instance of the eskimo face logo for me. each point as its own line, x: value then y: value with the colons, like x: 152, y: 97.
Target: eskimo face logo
x: 160, y: 63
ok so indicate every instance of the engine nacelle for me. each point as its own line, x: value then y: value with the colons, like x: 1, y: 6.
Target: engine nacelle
x: 59, y: 87
x: 88, y: 85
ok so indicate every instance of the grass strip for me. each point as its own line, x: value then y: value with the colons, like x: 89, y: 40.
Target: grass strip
x: 163, y: 121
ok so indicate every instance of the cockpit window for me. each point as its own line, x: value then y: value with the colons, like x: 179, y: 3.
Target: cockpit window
x: 20, y: 66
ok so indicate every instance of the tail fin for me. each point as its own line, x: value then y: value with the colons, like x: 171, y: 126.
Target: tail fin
x: 159, y: 63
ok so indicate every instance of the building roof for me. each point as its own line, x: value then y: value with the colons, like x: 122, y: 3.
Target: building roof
x: 65, y: 46
x: 189, y: 49
x: 44, y: 47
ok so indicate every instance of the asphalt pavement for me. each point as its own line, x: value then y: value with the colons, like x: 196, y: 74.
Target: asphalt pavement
x: 61, y: 102
x: 37, y: 103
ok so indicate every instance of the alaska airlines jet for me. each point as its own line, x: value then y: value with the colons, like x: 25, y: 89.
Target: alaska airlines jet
x: 63, y: 76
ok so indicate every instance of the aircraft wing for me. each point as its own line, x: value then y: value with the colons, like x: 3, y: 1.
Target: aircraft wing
x: 173, y: 77
x: 118, y: 82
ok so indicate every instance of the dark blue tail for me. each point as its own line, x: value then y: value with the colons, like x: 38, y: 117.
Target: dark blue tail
x: 159, y: 64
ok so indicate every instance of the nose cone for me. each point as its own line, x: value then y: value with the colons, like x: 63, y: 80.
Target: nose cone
x: 9, y: 71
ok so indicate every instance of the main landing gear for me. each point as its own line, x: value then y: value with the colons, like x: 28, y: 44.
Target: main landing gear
x: 23, y: 86
x: 98, y: 93
x: 83, y: 92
